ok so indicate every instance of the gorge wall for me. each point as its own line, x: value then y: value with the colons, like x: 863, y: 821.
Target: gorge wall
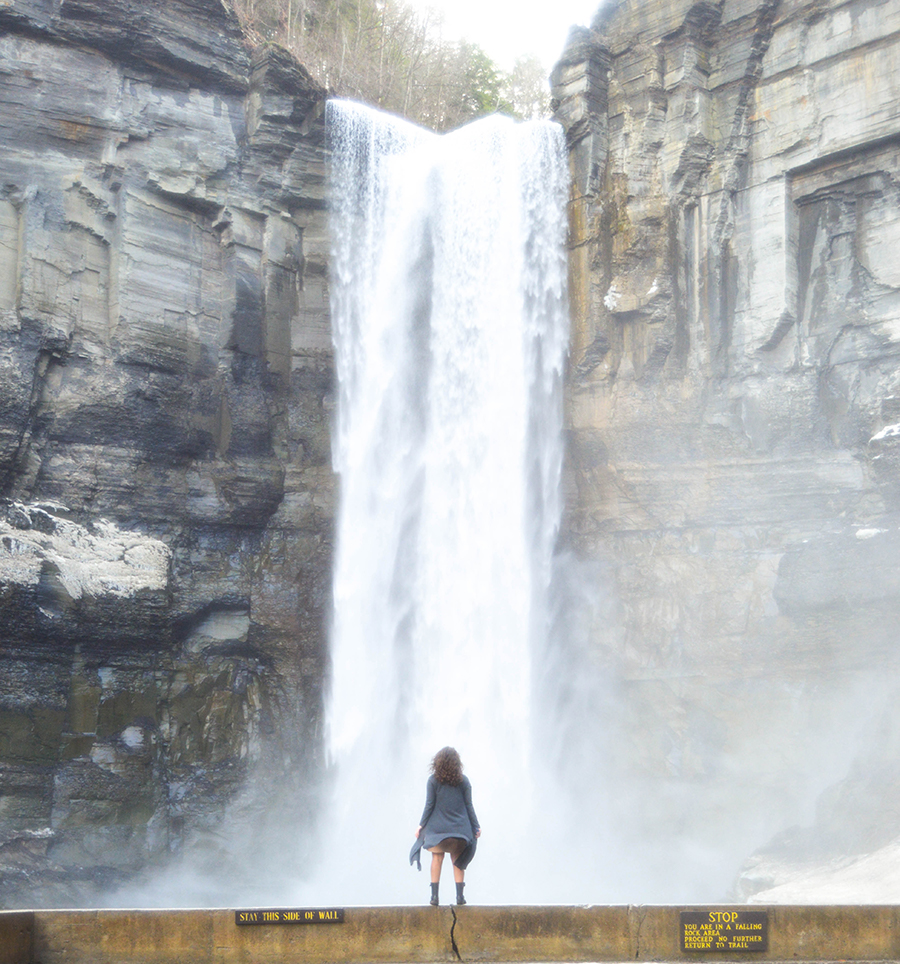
x: 730, y: 556
x: 165, y: 393
x: 733, y: 483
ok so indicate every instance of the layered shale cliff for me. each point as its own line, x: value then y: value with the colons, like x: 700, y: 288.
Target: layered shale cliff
x: 733, y: 484
x: 165, y: 387
x: 730, y: 559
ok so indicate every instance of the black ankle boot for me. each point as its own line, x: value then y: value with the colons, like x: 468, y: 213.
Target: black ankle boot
x: 459, y: 894
x: 434, y: 895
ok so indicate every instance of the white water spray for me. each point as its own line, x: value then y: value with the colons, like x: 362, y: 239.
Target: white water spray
x: 450, y: 326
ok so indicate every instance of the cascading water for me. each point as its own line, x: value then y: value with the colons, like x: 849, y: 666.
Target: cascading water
x: 450, y: 326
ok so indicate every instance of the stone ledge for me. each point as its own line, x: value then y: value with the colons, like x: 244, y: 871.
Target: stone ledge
x: 420, y: 935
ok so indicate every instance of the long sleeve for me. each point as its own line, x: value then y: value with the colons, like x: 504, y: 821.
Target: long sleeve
x: 430, y: 797
x: 467, y: 797
x: 415, y: 855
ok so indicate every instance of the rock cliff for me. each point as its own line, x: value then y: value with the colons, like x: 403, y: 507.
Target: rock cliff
x: 165, y: 388
x: 733, y: 484
x: 731, y: 548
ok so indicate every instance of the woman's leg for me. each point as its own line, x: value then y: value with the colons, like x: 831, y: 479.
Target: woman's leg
x: 453, y: 846
x: 437, y: 861
x: 459, y: 875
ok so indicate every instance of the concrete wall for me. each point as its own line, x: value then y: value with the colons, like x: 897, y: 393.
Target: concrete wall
x: 16, y: 937
x: 425, y: 934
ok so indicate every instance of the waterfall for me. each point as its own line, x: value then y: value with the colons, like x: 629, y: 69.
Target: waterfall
x: 450, y: 325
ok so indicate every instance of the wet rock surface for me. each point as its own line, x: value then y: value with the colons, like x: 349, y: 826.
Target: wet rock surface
x: 732, y: 483
x: 165, y: 397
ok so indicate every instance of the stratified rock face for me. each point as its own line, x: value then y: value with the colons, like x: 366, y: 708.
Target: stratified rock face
x: 165, y: 384
x: 734, y: 412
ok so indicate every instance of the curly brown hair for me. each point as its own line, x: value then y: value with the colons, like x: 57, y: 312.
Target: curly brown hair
x: 447, y: 766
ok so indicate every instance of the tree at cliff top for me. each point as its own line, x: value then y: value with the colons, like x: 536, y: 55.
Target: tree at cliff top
x: 385, y: 53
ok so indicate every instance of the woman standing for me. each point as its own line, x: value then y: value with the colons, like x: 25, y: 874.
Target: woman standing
x: 448, y: 824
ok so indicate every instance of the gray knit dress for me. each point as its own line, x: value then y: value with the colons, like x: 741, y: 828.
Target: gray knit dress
x: 448, y: 813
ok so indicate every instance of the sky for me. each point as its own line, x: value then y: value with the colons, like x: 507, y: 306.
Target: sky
x: 507, y: 29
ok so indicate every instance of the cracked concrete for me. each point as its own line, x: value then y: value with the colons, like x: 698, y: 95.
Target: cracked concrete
x: 418, y: 935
